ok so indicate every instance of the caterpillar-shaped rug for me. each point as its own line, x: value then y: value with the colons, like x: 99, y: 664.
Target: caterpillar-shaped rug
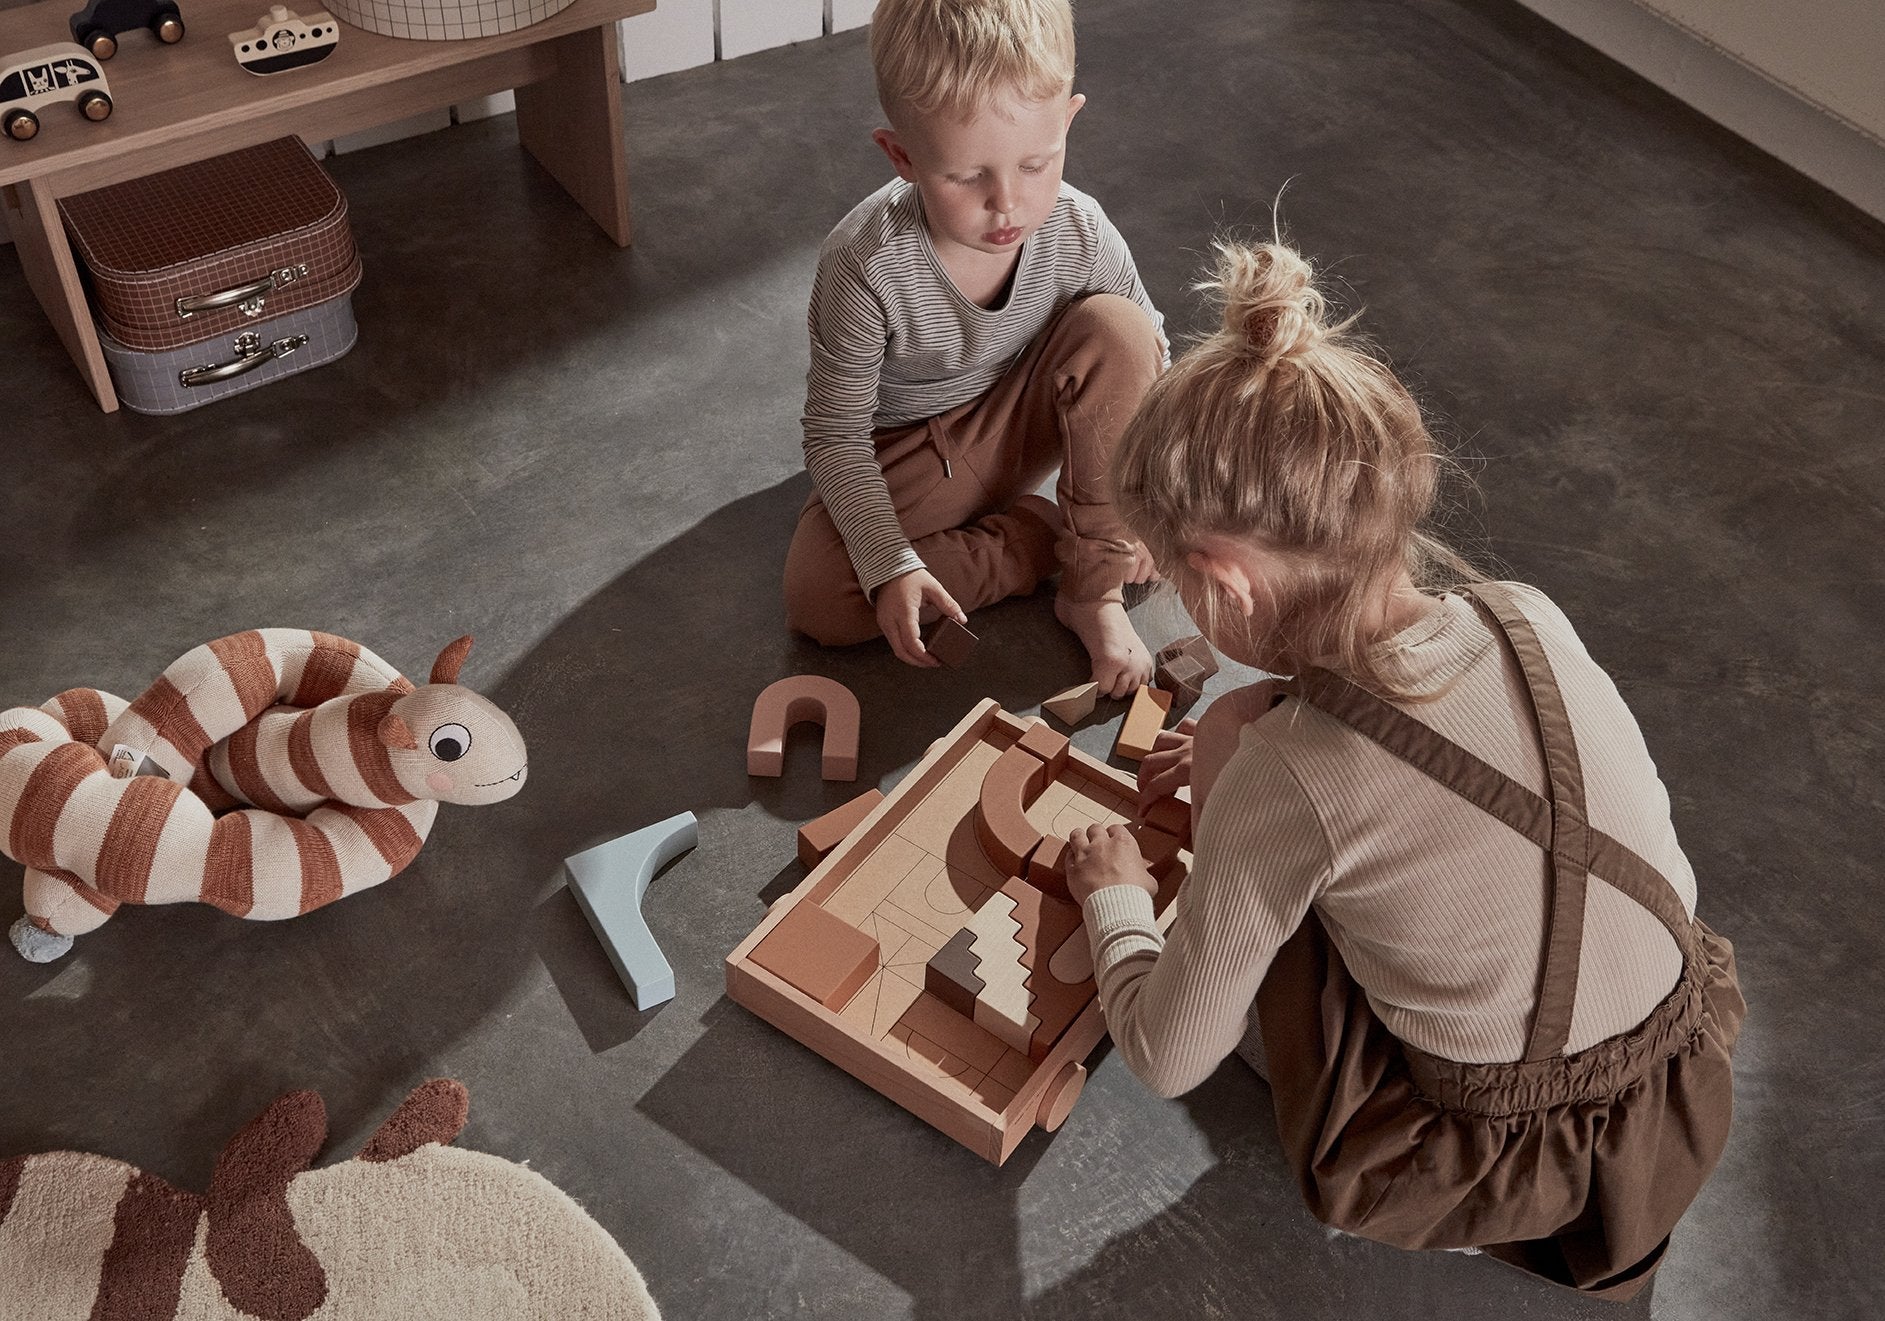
x: 266, y: 773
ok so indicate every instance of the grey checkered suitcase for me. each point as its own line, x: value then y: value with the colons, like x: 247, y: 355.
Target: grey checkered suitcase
x: 179, y: 379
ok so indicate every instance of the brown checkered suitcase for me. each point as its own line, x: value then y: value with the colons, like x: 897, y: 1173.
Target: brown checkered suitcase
x: 202, y: 250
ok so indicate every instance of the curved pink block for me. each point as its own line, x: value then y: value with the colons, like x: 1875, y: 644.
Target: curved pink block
x: 804, y: 697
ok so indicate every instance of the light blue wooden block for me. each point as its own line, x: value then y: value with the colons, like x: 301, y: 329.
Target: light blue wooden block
x: 609, y: 881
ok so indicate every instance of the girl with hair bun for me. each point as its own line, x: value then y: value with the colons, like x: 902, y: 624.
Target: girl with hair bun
x: 1436, y: 857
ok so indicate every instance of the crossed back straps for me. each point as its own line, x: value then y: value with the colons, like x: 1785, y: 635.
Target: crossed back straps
x: 1559, y: 825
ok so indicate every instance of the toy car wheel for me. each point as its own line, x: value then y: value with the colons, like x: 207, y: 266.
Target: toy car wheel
x: 20, y: 124
x: 100, y: 43
x: 94, y: 105
x: 169, y: 27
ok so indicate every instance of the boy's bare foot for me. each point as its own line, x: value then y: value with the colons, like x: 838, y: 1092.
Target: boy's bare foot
x: 1120, y: 659
x: 1144, y: 568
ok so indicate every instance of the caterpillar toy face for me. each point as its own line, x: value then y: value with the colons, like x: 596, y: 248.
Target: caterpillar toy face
x: 451, y: 745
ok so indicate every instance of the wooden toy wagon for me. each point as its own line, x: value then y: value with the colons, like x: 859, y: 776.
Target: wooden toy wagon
x: 934, y: 954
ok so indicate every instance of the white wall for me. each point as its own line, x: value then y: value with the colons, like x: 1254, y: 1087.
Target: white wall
x: 1800, y: 81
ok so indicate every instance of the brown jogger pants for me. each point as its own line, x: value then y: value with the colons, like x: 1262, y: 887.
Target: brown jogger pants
x: 954, y: 479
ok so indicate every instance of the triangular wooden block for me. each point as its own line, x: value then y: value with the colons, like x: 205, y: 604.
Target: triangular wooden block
x: 1074, y: 705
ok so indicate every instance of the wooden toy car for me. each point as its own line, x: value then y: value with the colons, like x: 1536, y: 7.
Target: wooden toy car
x: 46, y: 76
x: 97, y: 26
x: 281, y: 40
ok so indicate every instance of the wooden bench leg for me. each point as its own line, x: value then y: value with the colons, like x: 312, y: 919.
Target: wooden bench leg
x: 572, y: 123
x: 39, y: 236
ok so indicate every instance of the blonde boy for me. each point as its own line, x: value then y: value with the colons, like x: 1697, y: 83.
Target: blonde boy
x: 975, y: 324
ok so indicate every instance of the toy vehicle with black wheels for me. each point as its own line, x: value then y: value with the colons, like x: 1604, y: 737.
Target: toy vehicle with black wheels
x: 50, y: 75
x: 98, y: 26
x: 282, y: 40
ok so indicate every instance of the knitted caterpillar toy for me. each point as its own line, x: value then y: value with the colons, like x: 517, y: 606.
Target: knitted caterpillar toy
x: 281, y: 769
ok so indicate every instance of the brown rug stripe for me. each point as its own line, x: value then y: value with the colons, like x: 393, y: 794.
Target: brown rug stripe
x: 43, y: 798
x: 229, y: 875
x: 83, y: 711
x: 10, y: 1170
x: 245, y: 767
x: 435, y: 1112
x: 369, y: 754
x: 320, y: 868
x: 301, y: 758
x: 244, y: 658
x: 163, y: 706
x: 387, y: 829
x: 252, y: 1246
x: 124, y: 859
x: 141, y: 1277
x: 330, y: 666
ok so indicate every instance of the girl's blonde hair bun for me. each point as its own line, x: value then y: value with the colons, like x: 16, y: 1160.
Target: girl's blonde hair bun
x: 1272, y: 308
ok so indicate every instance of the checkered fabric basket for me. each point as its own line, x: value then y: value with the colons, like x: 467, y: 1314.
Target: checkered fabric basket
x: 444, y: 20
x: 205, y: 250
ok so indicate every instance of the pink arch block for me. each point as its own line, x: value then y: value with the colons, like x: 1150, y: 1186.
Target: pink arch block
x: 804, y: 697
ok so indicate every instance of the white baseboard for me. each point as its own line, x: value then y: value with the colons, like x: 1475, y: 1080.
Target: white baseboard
x: 430, y: 122
x: 747, y: 26
x: 1829, y: 151
x: 675, y: 35
x: 843, y: 15
x: 485, y: 107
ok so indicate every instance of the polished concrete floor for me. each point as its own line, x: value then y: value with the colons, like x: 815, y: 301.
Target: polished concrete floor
x: 1661, y: 355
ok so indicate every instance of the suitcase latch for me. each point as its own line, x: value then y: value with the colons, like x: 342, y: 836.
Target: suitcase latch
x: 246, y: 298
x: 250, y: 354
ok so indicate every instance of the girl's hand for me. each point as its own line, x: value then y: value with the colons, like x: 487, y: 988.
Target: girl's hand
x: 1099, y: 856
x: 900, y: 605
x: 1167, y: 768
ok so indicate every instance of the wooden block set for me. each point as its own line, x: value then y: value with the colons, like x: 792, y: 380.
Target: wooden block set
x: 932, y: 953
x: 219, y: 276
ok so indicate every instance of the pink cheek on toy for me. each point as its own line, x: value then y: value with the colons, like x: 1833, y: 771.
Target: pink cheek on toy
x: 439, y: 782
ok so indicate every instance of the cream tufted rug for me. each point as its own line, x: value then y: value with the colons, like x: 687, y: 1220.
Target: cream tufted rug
x: 410, y: 1230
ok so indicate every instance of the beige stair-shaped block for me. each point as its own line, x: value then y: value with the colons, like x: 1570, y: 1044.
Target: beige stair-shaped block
x: 1001, y: 1008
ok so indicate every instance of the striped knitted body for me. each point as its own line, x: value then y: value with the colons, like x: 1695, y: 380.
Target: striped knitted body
x: 288, y: 780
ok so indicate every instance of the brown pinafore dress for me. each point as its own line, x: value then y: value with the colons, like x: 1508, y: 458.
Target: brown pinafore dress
x: 1573, y: 1167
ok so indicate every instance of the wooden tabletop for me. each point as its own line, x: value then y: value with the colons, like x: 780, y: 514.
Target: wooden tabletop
x: 173, y: 103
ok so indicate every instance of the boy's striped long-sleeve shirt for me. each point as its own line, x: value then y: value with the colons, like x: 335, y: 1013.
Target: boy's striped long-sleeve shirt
x: 893, y: 342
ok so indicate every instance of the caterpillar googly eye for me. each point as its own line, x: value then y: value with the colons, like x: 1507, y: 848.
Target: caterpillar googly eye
x: 449, y: 742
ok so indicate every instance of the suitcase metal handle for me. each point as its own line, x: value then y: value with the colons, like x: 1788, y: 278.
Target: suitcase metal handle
x: 250, y: 354
x: 249, y: 297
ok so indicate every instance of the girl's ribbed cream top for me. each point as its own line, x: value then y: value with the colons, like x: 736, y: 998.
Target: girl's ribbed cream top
x: 1437, y: 908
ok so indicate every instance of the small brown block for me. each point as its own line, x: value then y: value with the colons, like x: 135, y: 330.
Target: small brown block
x: 1193, y: 647
x: 824, y: 956
x: 819, y: 837
x: 951, y: 643
x: 1182, y: 677
x: 1159, y: 849
x: 1048, y: 744
x: 802, y: 697
x: 1140, y: 729
x: 1047, y: 867
x: 1073, y: 705
x: 1173, y: 816
x: 950, y: 975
